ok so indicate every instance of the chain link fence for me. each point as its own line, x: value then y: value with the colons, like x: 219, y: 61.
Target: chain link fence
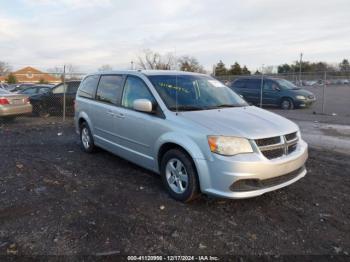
x: 39, y: 95
x: 54, y: 100
x: 332, y: 89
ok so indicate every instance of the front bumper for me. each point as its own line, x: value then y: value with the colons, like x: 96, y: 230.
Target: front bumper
x: 304, y: 103
x: 218, y: 176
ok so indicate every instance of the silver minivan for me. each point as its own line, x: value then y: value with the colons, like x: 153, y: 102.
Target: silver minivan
x: 198, y: 134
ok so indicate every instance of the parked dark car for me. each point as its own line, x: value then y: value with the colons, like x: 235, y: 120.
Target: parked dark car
x: 275, y: 92
x: 36, y: 90
x: 18, y: 87
x: 51, y: 102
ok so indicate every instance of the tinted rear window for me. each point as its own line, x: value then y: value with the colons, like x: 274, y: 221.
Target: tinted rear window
x: 88, y: 87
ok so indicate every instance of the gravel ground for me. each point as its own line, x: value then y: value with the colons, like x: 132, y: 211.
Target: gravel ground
x: 55, y: 199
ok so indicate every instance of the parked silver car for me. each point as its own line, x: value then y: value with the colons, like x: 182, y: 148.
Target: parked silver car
x: 198, y: 134
x: 13, y: 105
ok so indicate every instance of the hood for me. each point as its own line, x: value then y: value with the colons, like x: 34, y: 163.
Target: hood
x: 250, y: 122
x: 302, y: 92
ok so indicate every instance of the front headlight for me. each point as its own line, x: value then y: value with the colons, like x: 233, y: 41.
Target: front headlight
x: 301, y: 97
x: 228, y: 145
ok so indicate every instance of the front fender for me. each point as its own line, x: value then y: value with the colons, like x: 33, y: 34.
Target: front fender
x: 183, y: 141
x: 198, y: 156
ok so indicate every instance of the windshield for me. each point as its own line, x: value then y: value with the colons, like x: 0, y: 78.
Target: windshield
x: 194, y: 92
x: 286, y: 84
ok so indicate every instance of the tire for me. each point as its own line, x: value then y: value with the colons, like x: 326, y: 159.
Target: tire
x: 40, y: 111
x: 179, y: 176
x: 287, y: 104
x: 86, y: 139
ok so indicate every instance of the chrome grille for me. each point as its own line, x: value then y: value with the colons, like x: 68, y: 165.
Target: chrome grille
x: 275, y: 147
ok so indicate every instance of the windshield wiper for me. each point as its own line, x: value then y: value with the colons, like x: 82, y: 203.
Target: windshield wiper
x: 187, y: 108
x: 223, y: 106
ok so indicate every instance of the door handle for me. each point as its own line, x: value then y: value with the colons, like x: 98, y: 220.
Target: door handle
x: 120, y: 115
x: 110, y: 113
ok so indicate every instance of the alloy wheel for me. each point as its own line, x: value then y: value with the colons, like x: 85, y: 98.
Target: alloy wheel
x: 176, y: 176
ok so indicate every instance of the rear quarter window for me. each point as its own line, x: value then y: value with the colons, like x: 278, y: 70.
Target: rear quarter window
x: 88, y: 87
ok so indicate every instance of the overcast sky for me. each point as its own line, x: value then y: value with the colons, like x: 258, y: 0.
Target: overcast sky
x: 89, y: 33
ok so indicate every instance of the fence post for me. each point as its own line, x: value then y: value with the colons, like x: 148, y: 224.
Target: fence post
x: 261, y: 88
x: 64, y: 93
x: 323, y: 91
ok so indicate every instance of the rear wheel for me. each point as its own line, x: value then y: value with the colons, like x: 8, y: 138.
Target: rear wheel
x: 287, y: 104
x: 179, y: 175
x: 41, y: 111
x: 86, y: 139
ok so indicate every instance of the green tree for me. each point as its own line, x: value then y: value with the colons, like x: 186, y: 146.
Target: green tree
x: 257, y: 72
x: 11, y: 79
x: 284, y: 69
x: 245, y: 71
x: 235, y: 69
x: 344, y: 66
x: 220, y: 69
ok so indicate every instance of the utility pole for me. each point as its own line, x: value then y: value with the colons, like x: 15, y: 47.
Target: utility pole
x: 132, y: 65
x: 64, y: 93
x: 261, y: 85
x: 323, y: 91
x: 301, y: 60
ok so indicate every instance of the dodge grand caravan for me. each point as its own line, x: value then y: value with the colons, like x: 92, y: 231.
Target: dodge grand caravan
x: 198, y: 134
x: 275, y: 92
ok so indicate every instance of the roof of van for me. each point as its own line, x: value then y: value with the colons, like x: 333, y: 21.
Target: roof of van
x: 257, y: 77
x: 149, y: 72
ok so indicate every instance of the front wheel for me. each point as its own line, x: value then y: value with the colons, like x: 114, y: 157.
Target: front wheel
x: 287, y: 104
x: 179, y: 175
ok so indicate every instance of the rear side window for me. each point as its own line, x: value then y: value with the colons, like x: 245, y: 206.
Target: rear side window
x: 270, y: 85
x: 44, y: 90
x: 88, y: 87
x: 240, y: 83
x: 109, y: 89
x: 253, y: 83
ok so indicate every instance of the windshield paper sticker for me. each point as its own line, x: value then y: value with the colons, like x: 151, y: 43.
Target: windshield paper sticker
x: 177, y: 88
x: 216, y: 83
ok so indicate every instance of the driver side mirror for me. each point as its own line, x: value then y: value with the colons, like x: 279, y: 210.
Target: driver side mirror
x: 143, y: 105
